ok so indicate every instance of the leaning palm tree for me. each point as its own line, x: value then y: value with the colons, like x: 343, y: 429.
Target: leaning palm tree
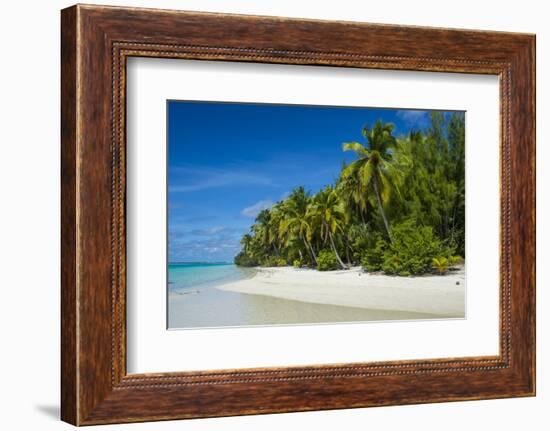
x: 294, y: 223
x: 327, y: 213
x: 376, y: 168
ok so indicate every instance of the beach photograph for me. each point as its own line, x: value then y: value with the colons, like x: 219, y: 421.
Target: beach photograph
x: 308, y: 214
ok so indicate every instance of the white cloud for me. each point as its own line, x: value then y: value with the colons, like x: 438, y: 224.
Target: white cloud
x: 413, y: 117
x: 253, y: 210
x: 202, y: 178
x: 205, y: 249
x: 209, y: 231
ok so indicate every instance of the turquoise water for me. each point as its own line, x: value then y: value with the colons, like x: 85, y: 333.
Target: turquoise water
x: 185, y: 276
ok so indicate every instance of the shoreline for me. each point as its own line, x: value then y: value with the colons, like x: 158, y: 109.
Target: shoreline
x: 435, y: 295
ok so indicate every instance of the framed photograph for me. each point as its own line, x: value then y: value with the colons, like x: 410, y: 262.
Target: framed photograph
x: 266, y: 215
x: 255, y: 239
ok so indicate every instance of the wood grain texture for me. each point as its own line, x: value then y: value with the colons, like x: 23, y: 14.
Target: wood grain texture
x: 96, y: 41
x: 69, y: 397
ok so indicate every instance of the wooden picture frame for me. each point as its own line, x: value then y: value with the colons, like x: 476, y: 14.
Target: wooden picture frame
x: 95, y: 43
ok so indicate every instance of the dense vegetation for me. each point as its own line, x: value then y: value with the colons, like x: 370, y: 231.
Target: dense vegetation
x: 397, y: 208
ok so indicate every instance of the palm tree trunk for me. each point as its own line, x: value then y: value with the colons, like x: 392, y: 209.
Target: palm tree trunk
x: 347, y: 247
x: 381, y: 209
x: 310, y: 249
x: 335, y: 252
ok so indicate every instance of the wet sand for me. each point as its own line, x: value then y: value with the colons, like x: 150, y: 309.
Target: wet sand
x: 280, y: 296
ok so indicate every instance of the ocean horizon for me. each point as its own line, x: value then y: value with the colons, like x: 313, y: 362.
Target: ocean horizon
x: 194, y: 275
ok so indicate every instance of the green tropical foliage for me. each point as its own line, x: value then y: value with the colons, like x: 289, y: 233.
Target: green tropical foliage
x: 376, y: 170
x: 440, y: 264
x: 372, y: 257
x: 327, y: 217
x: 412, y: 249
x: 398, y: 207
x: 297, y: 263
x: 274, y: 261
x: 327, y: 261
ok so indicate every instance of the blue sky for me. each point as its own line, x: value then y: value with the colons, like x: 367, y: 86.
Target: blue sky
x: 227, y: 161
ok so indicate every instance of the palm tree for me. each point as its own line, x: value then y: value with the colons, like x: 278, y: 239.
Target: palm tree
x: 273, y: 226
x: 294, y: 222
x: 375, y: 168
x: 351, y: 191
x: 328, y: 215
x: 246, y: 240
x: 264, y: 229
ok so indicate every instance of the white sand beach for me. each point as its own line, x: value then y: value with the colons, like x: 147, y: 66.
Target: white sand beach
x: 439, y: 296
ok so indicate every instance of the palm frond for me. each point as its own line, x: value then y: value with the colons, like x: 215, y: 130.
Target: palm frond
x: 356, y: 147
x: 366, y: 174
